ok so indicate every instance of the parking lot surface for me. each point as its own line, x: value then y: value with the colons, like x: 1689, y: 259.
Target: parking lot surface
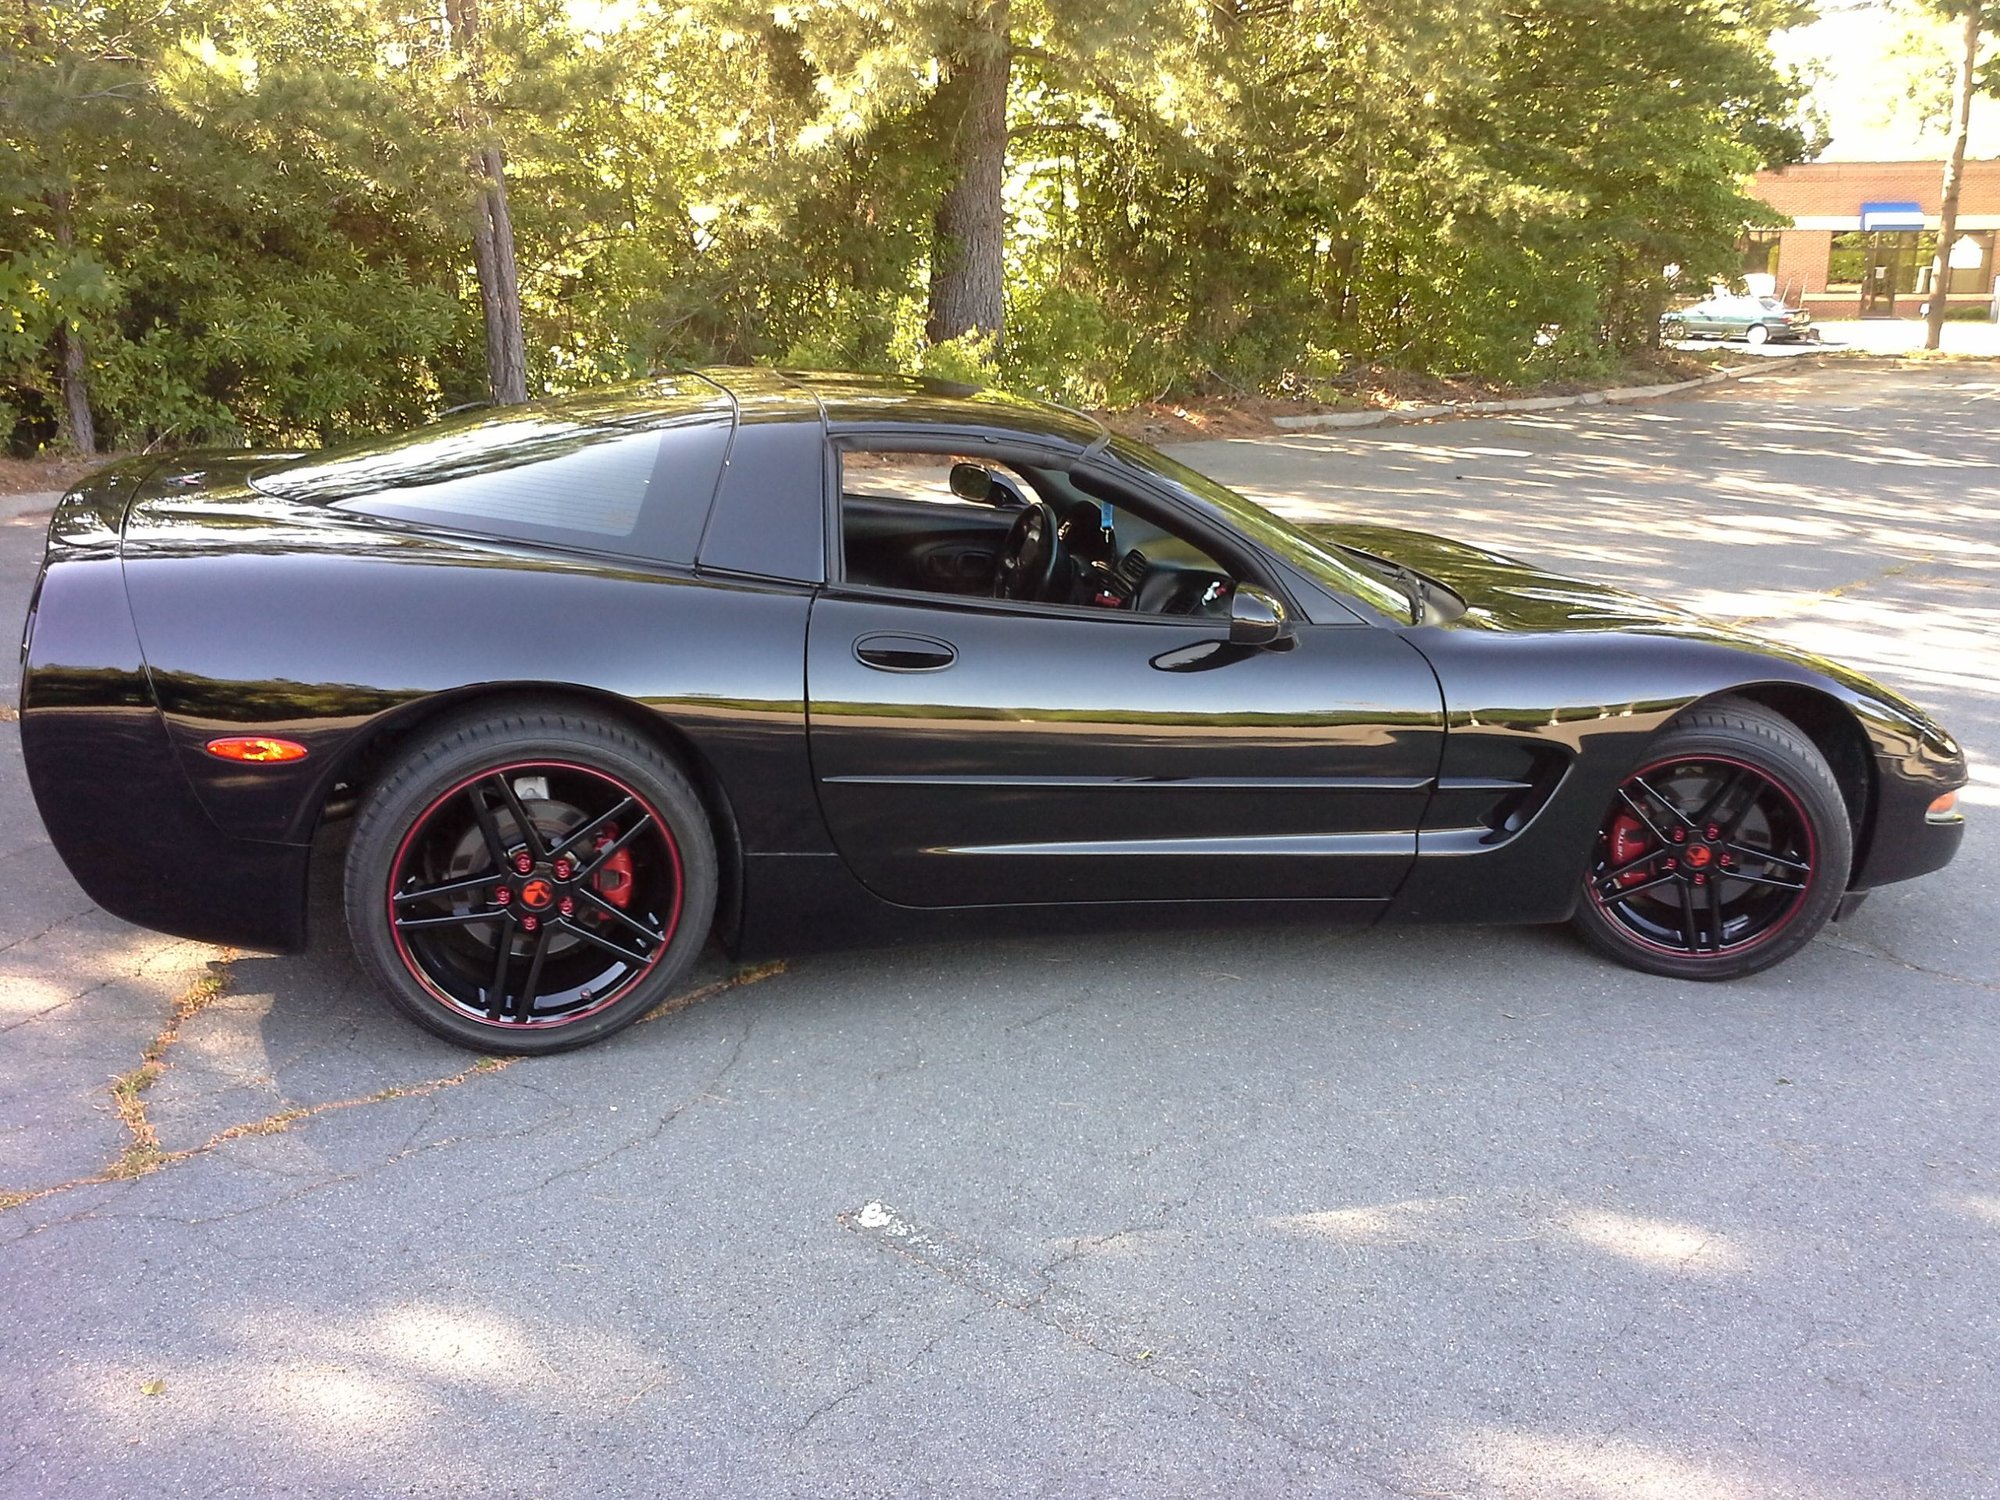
x: 1443, y: 1212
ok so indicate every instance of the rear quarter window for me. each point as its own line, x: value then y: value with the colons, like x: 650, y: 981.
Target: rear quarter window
x: 632, y: 471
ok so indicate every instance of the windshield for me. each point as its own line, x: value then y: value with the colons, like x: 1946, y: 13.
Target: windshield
x: 1317, y: 560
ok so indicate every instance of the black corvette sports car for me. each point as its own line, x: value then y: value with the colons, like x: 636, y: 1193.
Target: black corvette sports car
x: 801, y: 659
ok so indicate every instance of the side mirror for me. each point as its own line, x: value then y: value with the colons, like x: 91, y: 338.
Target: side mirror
x: 1256, y: 618
x: 971, y: 482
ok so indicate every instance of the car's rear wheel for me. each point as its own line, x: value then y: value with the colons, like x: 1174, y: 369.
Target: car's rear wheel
x: 530, y: 882
x: 1673, y: 329
x: 1757, y: 334
x: 1723, y: 853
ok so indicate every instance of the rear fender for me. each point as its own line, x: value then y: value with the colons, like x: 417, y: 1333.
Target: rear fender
x: 118, y: 809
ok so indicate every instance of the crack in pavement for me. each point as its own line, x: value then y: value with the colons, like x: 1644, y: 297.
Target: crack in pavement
x: 28, y: 848
x: 1862, y: 948
x: 63, y: 1004
x: 410, y: 1149
x: 143, y: 1155
x: 705, y: 1092
x: 875, y: 1377
x: 1040, y: 1299
x: 1838, y: 591
x: 64, y: 921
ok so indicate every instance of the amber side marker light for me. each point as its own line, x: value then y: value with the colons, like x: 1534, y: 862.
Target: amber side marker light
x: 256, y: 749
x: 1944, y: 810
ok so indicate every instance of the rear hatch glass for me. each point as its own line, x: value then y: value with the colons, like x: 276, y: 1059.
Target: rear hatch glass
x: 630, y: 470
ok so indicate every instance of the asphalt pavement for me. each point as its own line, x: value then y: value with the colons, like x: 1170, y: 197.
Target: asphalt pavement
x: 1443, y: 1212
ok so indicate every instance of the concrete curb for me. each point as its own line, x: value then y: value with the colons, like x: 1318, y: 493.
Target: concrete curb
x: 1526, y: 403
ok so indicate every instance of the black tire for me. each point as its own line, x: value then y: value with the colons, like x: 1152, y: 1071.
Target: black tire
x: 603, y: 853
x: 1673, y: 330
x: 1756, y: 335
x: 1723, y: 853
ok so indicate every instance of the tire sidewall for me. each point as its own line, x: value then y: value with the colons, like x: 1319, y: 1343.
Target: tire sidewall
x: 460, y: 751
x: 1776, y: 750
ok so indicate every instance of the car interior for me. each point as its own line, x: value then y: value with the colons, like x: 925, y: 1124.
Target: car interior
x: 948, y: 524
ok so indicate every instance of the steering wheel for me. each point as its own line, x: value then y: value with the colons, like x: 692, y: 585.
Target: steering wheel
x: 1031, y: 556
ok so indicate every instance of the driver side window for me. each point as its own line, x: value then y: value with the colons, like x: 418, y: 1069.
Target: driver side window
x: 944, y: 523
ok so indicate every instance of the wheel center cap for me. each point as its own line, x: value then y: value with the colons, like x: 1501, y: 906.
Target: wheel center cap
x: 1698, y: 856
x: 537, y: 894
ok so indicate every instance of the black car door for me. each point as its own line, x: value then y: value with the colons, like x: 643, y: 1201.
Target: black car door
x: 971, y: 751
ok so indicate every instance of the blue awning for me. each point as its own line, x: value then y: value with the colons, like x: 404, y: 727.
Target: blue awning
x: 1876, y: 216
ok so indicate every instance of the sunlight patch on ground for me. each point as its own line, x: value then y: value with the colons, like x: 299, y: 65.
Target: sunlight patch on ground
x: 25, y: 995
x: 1525, y: 1464
x: 233, y: 1043
x: 383, y: 1376
x: 114, y: 957
x: 1661, y: 1243
x: 1373, y: 1224
x: 1948, y: 644
x: 1984, y: 788
x: 1961, y: 660
x: 1984, y: 1206
x: 1772, y: 530
x: 349, y: 1398
x: 463, y: 1345
x: 1911, y: 458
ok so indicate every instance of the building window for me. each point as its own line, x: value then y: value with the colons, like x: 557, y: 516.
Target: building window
x: 1847, y: 260
x: 1887, y: 263
x: 1913, y: 261
x: 1969, y: 275
x: 1760, y: 253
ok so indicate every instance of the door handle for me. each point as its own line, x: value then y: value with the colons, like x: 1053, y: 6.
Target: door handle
x: 904, y: 653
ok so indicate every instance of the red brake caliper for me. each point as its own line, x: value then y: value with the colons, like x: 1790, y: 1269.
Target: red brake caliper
x: 614, y: 881
x: 1628, y: 841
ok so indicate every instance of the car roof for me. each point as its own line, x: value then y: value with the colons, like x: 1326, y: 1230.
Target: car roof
x: 854, y: 401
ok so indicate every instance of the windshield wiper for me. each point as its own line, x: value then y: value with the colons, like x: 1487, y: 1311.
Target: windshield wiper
x: 1408, y: 579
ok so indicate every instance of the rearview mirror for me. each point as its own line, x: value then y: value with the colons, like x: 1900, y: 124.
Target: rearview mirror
x: 1256, y: 618
x: 971, y: 482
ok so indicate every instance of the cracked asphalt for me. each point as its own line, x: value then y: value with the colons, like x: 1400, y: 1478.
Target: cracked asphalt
x: 1450, y: 1212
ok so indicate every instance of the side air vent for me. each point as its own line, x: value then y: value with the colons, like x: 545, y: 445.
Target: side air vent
x: 1483, y: 809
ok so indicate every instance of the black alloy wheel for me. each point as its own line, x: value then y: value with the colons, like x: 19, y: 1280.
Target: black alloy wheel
x: 531, y: 882
x: 1723, y: 853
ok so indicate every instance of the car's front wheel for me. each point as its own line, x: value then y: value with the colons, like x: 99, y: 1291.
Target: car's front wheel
x: 530, y: 882
x: 1757, y: 334
x: 1723, y: 853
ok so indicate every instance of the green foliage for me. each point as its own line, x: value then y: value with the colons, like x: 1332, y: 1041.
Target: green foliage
x: 256, y: 218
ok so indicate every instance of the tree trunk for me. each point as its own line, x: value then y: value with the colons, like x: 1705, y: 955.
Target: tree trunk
x: 492, y: 229
x: 968, y: 245
x: 1954, y: 176
x: 499, y: 283
x: 78, y: 427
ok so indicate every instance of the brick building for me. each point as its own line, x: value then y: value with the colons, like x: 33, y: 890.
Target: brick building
x: 1863, y: 235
